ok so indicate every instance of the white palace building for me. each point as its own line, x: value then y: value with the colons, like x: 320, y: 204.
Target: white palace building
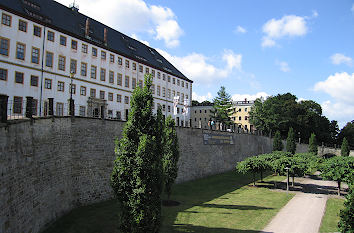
x: 42, y: 42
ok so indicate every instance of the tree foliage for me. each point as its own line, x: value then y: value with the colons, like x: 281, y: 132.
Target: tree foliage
x: 338, y: 169
x: 283, y: 111
x: 313, y: 148
x: 347, y: 132
x: 277, y: 142
x: 346, y: 222
x: 137, y: 174
x: 345, y: 150
x: 290, y: 142
x: 255, y: 164
x: 222, y: 107
x: 171, y: 155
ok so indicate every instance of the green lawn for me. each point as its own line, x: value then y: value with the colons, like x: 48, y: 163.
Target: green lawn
x: 331, y: 217
x: 219, y: 203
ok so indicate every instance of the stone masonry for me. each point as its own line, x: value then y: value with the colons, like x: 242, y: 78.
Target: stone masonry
x: 52, y: 165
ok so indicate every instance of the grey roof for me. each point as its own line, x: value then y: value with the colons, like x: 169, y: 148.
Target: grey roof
x: 69, y: 21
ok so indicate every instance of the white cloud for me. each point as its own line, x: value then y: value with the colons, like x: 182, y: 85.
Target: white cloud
x: 197, y: 67
x: 339, y: 58
x: 283, y: 66
x: 314, y: 14
x: 134, y: 16
x: 340, y: 87
x: 201, y: 98
x: 239, y: 97
x: 352, y: 9
x: 287, y: 26
x: 240, y: 30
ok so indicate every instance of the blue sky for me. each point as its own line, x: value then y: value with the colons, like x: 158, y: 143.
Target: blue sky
x: 253, y: 48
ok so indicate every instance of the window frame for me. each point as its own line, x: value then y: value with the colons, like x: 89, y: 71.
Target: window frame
x: 61, y: 86
x: 83, y: 72
x: 33, y: 57
x: 8, y: 18
x: 5, y: 72
x: 22, y: 25
x: 22, y: 77
x: 48, y: 83
x: 62, y: 40
x: 23, y: 53
x: 74, y: 44
x: 82, y: 90
x: 20, y: 102
x: 95, y: 73
x: 5, y: 49
x: 51, y: 36
x: 59, y: 62
x: 46, y: 59
x: 34, y: 80
x: 37, y: 32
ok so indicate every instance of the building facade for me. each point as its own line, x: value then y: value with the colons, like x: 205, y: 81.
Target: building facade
x: 43, y: 42
x: 240, y: 114
x: 200, y: 116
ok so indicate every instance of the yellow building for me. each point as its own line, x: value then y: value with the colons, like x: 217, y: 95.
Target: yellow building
x: 240, y: 114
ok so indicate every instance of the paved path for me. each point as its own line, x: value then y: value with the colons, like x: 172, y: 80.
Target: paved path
x: 303, y: 213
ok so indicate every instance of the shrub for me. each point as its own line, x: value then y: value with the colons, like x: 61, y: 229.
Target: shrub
x: 290, y: 142
x: 313, y: 144
x: 277, y: 143
x: 345, y: 150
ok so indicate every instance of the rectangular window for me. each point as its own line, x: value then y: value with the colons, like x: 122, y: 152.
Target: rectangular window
x: 59, y: 109
x: 126, y: 64
x: 173, y: 80
x: 173, y: 93
x: 61, y: 63
x: 103, y: 74
x: 93, y: 93
x: 111, y: 58
x: 6, y: 19
x: 48, y: 83
x: 134, y: 66
x: 20, y: 51
x: 168, y: 78
x: 169, y: 108
x: 169, y: 93
x: 73, y: 89
x: 93, y: 71
x: 158, y: 75
x: 62, y: 40
x: 120, y: 61
x: 4, y: 46
x: 17, y: 105
x: 61, y: 86
x: 34, y: 81
x: 119, y: 115
x: 34, y: 106
x: 22, y: 25
x: 158, y: 90
x: 102, y: 95
x: 178, y: 82
x: 182, y: 84
x: 163, y: 92
x: 126, y: 84
x: 119, y: 79
x: 82, y: 111
x: 35, y: 55
x: 111, y: 76
x: 94, y: 52
x: 73, y: 66
x: 119, y: 98
x: 146, y: 70
x: 126, y: 99
x: 74, y: 44
x: 152, y: 89
x: 186, y: 85
x: 19, y: 77
x: 140, y: 68
x: 83, y: 91
x: 3, y: 74
x: 50, y: 36
x: 163, y: 77
x: 133, y: 83
x: 163, y: 107
x: 103, y: 55
x: 84, y: 48
x: 83, y: 69
x: 49, y: 59
x: 110, y: 96
x: 37, y: 31
x: 141, y: 84
x: 153, y: 73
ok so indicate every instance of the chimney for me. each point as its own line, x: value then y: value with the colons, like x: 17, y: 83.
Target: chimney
x: 105, y: 36
x: 245, y: 100
x: 87, y: 28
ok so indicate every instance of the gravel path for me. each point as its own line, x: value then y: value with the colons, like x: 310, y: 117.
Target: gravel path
x: 304, y: 212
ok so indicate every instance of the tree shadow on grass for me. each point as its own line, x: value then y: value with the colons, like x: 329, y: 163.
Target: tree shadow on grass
x: 238, y: 207
x: 201, y: 229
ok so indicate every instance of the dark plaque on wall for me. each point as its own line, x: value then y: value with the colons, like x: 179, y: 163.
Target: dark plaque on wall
x: 217, y: 139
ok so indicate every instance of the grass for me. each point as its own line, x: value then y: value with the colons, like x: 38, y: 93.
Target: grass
x: 331, y: 217
x: 221, y: 203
